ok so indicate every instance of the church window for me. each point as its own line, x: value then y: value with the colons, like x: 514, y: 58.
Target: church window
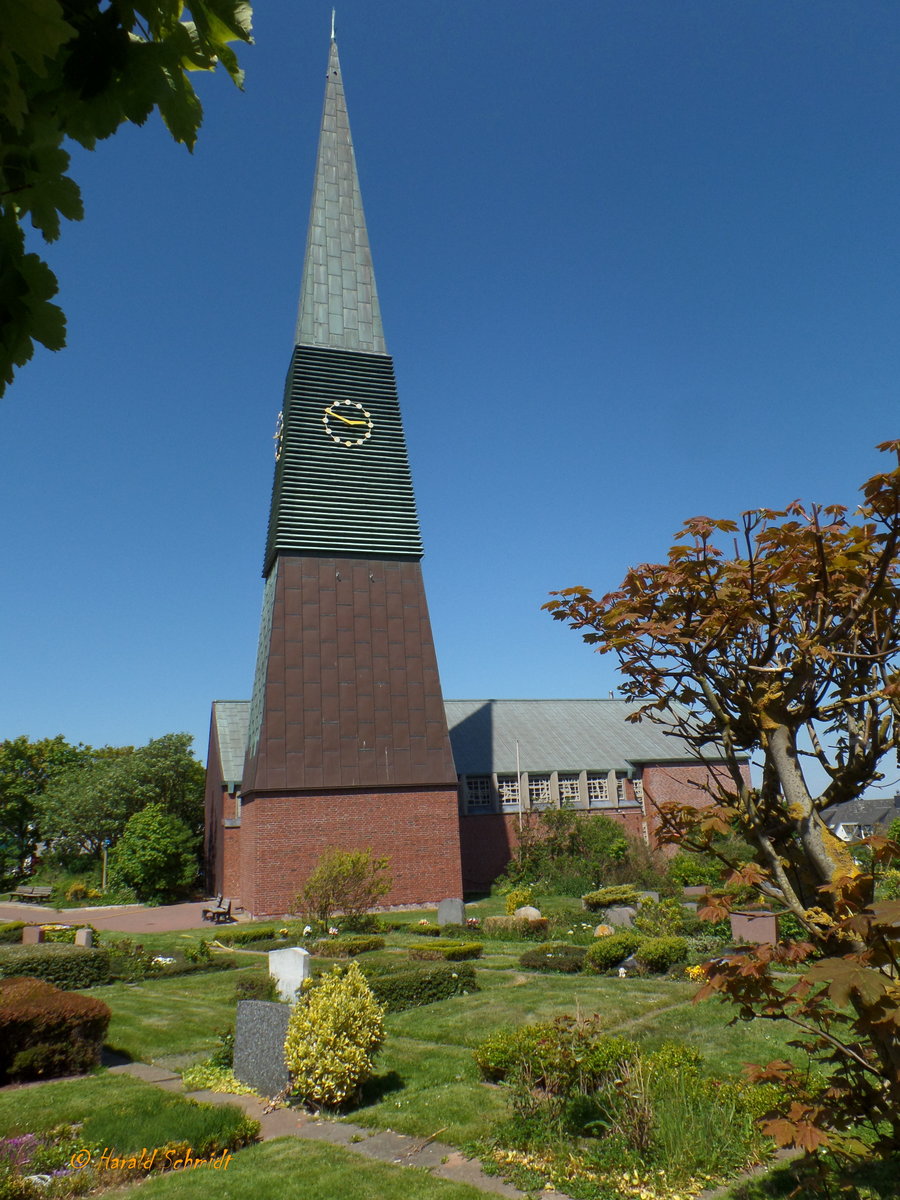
x: 478, y: 792
x: 508, y: 787
x: 568, y: 790
x: 597, y: 790
x: 539, y: 791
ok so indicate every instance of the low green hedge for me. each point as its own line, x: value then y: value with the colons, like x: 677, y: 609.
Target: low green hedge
x: 515, y: 928
x: 11, y: 933
x: 608, y: 952
x: 660, y: 953
x: 46, y: 1032
x: 554, y: 956
x: 348, y: 946
x: 449, y: 951
x: 270, y: 931
x: 65, y: 966
x: 412, y: 988
x: 611, y: 897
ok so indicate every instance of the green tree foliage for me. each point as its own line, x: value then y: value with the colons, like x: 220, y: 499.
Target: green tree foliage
x: 785, y: 644
x: 334, y: 1031
x: 78, y: 69
x: 26, y: 768
x: 156, y: 855
x: 344, y: 881
x: 91, y: 802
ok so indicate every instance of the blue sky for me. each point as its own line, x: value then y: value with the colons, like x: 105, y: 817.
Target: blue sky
x: 636, y: 262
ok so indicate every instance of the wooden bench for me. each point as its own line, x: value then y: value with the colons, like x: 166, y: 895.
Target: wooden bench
x: 31, y: 895
x: 219, y: 914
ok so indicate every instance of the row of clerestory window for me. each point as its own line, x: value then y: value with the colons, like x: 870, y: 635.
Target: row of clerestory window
x: 550, y: 789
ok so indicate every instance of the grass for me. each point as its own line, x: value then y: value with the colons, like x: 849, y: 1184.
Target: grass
x: 66, y: 1102
x: 288, y: 1169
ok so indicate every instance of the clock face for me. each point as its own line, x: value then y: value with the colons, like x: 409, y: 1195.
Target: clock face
x: 347, y: 423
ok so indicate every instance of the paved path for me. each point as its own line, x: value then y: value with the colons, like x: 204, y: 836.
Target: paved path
x: 123, y: 918
x: 441, y: 1160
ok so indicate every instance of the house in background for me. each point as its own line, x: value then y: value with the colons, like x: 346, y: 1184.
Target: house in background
x: 857, y: 819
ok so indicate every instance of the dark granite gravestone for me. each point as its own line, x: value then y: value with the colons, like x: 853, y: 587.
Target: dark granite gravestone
x: 451, y: 912
x: 259, y: 1046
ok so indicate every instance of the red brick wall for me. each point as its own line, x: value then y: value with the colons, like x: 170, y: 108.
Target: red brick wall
x: 282, y: 837
x: 681, y: 784
x: 488, y: 841
x: 230, y: 877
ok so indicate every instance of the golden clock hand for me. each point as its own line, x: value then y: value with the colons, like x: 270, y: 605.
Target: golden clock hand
x: 346, y: 420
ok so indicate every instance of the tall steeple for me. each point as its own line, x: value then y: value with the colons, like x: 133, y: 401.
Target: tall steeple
x: 347, y: 742
x: 338, y: 300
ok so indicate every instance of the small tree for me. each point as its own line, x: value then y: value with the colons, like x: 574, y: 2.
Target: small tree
x: 156, y: 855
x: 334, y: 1030
x: 787, y: 646
x: 344, y: 881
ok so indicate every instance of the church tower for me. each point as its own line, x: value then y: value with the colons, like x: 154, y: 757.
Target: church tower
x: 347, y: 741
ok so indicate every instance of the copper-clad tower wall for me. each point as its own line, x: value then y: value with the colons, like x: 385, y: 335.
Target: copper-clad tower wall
x: 347, y: 741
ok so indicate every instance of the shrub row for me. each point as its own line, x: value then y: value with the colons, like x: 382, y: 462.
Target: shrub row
x: 46, y: 1032
x: 347, y: 946
x: 64, y: 966
x: 611, y: 897
x: 401, y: 990
x: 11, y: 933
x: 514, y: 928
x: 656, y: 955
x: 256, y: 933
x: 449, y: 951
x: 554, y: 1053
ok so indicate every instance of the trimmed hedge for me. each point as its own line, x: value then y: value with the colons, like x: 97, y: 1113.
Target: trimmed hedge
x: 554, y: 956
x: 259, y: 933
x: 65, y: 966
x: 401, y: 990
x: 449, y: 951
x: 515, y: 928
x: 11, y: 933
x: 611, y: 897
x: 660, y: 953
x: 608, y: 952
x: 46, y: 1032
x: 347, y: 947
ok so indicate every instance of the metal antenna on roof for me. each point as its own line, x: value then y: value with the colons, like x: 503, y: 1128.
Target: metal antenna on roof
x: 332, y: 24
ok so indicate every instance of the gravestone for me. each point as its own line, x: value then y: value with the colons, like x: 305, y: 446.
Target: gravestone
x: 451, y: 912
x: 84, y: 937
x: 32, y: 935
x: 259, y: 1034
x: 529, y: 912
x: 756, y: 928
x: 289, y: 968
x: 654, y: 896
x: 621, y: 915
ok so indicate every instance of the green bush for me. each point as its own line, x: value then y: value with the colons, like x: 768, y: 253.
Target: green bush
x: 335, y: 1029
x: 514, y: 928
x: 660, y: 953
x: 156, y: 855
x: 426, y: 929
x: 344, y: 881
x: 519, y: 897
x: 412, y: 988
x: 609, y: 952
x: 554, y: 1057
x: 11, y: 933
x: 554, y: 956
x: 65, y: 966
x: 565, y: 851
x: 663, y: 918
x: 447, y: 950
x: 611, y: 897
x: 347, y: 946
x: 285, y: 932
x: 889, y: 885
x: 45, y: 1031
x: 694, y: 870
x: 497, y: 1056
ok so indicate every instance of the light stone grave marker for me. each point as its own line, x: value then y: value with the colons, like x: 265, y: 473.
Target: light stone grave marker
x: 289, y: 968
x: 451, y: 912
x: 84, y: 937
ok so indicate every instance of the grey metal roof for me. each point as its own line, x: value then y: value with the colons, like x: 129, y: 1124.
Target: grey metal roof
x: 232, y: 718
x: 338, y: 301
x: 554, y: 735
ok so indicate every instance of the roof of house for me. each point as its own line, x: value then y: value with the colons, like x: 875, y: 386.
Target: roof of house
x: 867, y: 810
x: 552, y: 735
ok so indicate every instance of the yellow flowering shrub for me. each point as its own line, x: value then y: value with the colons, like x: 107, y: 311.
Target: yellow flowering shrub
x: 335, y: 1029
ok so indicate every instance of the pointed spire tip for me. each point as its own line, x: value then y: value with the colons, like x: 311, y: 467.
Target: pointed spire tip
x: 332, y: 24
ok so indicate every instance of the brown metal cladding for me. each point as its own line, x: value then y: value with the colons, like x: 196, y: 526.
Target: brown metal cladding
x: 352, y: 691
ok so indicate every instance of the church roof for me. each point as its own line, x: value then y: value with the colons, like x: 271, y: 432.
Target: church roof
x: 553, y: 735
x: 338, y: 301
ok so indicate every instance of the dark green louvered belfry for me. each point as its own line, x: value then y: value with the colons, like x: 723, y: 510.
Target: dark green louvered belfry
x: 342, y: 481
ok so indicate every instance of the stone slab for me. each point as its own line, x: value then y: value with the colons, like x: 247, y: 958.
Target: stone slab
x: 32, y: 935
x: 620, y: 915
x: 529, y: 912
x: 84, y: 937
x: 289, y: 968
x: 259, y: 1035
x: 451, y: 912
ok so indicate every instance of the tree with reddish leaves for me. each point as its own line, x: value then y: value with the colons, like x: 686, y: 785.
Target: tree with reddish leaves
x: 779, y: 637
